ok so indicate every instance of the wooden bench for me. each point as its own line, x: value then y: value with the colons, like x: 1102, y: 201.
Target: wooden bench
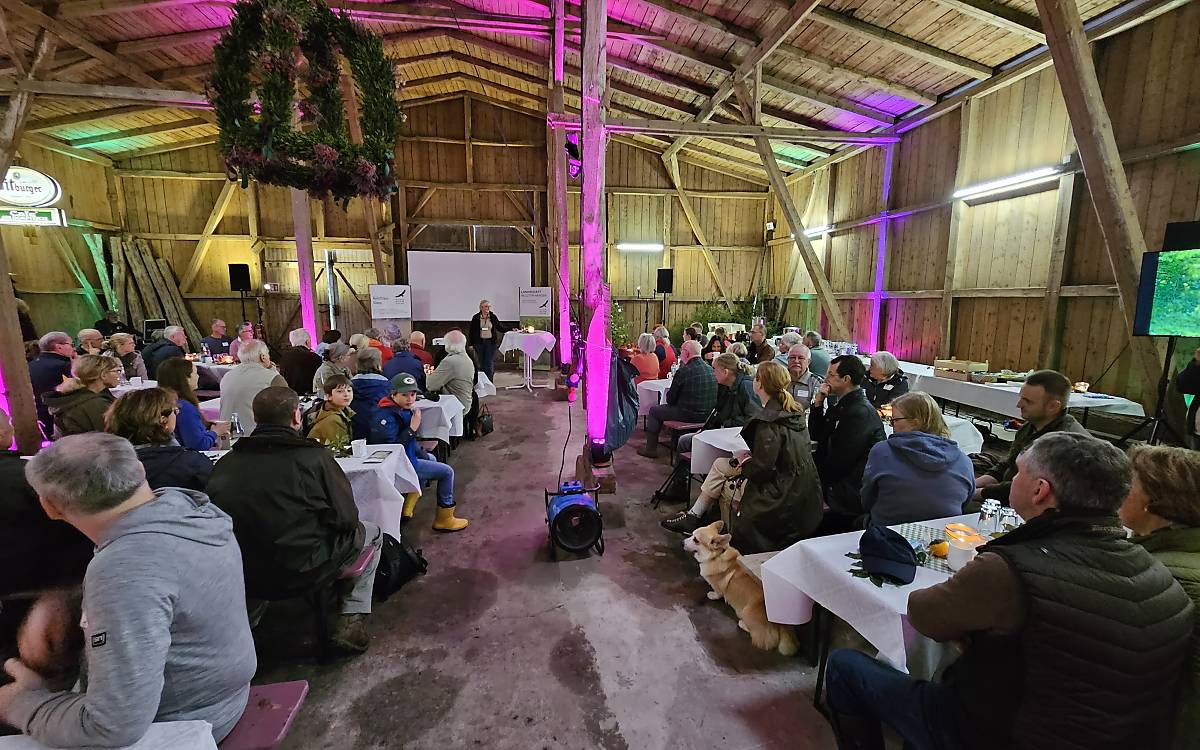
x: 675, y: 428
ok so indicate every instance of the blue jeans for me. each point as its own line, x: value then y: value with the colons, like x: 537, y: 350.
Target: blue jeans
x: 866, y: 692
x: 485, y: 351
x: 443, y: 474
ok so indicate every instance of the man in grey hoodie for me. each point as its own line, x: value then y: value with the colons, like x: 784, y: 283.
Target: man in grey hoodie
x: 166, y: 637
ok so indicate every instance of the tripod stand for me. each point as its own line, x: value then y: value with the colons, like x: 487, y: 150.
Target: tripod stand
x: 1156, y: 419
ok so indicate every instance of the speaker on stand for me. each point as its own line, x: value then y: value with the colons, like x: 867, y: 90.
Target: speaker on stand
x: 239, y: 281
x: 665, y: 285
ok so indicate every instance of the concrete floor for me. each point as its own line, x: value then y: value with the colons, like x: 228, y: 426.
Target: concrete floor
x: 499, y: 647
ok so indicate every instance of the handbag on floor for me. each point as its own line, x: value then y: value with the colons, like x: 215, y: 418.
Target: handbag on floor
x: 399, y: 563
x: 484, y: 424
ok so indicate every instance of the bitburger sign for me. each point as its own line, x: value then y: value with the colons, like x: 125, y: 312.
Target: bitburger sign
x: 29, y: 188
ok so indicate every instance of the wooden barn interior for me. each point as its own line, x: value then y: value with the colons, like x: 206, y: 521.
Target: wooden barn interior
x: 844, y: 166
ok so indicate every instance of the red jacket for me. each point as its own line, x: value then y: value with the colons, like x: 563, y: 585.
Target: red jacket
x: 384, y: 351
x: 668, y: 359
x: 421, y: 354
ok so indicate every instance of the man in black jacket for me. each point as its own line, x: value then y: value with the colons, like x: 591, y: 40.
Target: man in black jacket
x: 294, y: 515
x: 48, y: 371
x: 1188, y: 382
x: 845, y: 433
x: 172, y: 344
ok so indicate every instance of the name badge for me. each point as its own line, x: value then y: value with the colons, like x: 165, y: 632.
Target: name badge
x: 802, y: 393
x: 888, y: 387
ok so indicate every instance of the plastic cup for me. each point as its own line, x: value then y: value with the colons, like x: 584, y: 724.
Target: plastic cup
x: 135, y: 381
x: 358, y: 448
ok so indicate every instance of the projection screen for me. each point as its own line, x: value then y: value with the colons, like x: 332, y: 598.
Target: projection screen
x: 449, y: 285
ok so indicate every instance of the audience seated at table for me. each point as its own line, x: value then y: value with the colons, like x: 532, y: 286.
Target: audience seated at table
x: 165, y: 629
x: 1043, y: 406
x: 397, y: 424
x: 1163, y: 511
x: 784, y: 345
x: 804, y: 383
x: 416, y: 345
x: 245, y: 333
x: 691, y: 397
x: 37, y: 554
x: 216, y: 341
x: 111, y: 323
x: 299, y: 363
x: 370, y: 387
x: 331, y: 423
x: 78, y: 404
x: 737, y: 401
x: 146, y: 418
x: 770, y: 497
x: 820, y: 357
x: 455, y: 374
x: 332, y: 336
x: 403, y: 360
x: 644, y: 359
x: 759, y: 349
x: 191, y: 430
x: 1188, y: 382
x: 123, y: 347
x: 172, y: 344
x: 294, y: 517
x: 90, y: 341
x: 664, y: 351
x: 715, y: 347
x: 373, y: 340
x: 51, y: 367
x: 241, y: 384
x: 918, y: 473
x: 885, y: 380
x: 845, y: 432
x: 340, y: 359
x: 1074, y: 636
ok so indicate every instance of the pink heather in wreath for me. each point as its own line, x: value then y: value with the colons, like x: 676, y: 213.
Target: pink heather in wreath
x: 326, y: 156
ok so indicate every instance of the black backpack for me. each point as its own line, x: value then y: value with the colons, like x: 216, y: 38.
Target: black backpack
x: 308, y: 417
x: 399, y: 563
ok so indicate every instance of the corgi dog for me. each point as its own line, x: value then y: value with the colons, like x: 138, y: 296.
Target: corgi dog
x: 729, y: 580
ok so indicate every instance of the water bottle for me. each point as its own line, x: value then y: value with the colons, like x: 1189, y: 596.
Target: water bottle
x: 205, y: 354
x: 235, y: 428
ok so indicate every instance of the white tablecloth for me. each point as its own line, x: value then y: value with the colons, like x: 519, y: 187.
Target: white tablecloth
x: 211, y: 409
x: 127, y: 387
x: 1002, y: 398
x: 709, y: 445
x: 214, y: 370
x: 379, y: 488
x: 533, y: 344
x: 441, y: 419
x: 484, y: 387
x: 815, y: 570
x: 651, y: 393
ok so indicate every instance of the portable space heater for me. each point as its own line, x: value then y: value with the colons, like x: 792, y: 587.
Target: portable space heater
x: 573, y: 517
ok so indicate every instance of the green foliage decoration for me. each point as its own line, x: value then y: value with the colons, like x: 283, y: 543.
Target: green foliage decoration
x: 259, y: 57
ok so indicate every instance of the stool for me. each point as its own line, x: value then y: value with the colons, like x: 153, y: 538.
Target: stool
x: 270, y: 711
x: 678, y: 428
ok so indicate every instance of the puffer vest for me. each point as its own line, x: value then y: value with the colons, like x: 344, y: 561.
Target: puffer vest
x: 1105, y: 636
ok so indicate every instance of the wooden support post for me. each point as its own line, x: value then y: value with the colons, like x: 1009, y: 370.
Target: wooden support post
x: 302, y: 223
x: 95, y: 245
x: 400, y: 234
x: 826, y: 239
x: 556, y: 185
x: 370, y: 205
x: 1064, y: 225
x: 891, y: 158
x: 67, y: 255
x: 120, y: 300
x: 966, y: 128
x: 210, y: 228
x: 1097, y: 147
x: 672, y: 165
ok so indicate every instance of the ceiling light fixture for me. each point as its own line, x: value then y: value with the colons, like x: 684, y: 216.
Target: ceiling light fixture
x: 640, y: 247
x: 1007, y: 185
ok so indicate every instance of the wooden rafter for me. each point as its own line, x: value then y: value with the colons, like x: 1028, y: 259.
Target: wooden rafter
x: 120, y: 135
x: 129, y: 94
x: 204, y: 140
x: 1001, y: 16
x: 210, y: 228
x: 672, y: 165
x: 90, y: 116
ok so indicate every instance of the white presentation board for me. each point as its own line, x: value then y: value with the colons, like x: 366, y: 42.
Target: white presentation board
x: 449, y: 285
x: 535, y: 302
x: 390, y: 301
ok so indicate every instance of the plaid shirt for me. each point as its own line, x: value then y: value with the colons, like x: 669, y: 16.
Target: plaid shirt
x: 694, y: 390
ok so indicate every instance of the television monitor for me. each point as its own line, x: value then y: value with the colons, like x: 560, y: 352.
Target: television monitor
x: 1169, y: 294
x: 150, y: 325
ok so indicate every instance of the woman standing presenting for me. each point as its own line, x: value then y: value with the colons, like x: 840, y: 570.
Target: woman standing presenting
x: 484, y: 336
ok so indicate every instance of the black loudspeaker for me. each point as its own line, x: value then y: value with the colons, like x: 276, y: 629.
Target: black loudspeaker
x: 239, y: 278
x: 666, y: 281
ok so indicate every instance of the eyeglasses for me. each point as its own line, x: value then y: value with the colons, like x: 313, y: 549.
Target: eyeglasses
x: 901, y: 419
x: 169, y: 412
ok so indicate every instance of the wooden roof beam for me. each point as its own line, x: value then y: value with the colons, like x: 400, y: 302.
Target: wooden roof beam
x: 132, y: 94
x: 120, y: 135
x: 206, y: 140
x: 75, y: 118
x: 1001, y: 16
x: 721, y: 130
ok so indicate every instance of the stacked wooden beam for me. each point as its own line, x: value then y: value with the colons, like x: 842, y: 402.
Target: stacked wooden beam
x: 145, y: 287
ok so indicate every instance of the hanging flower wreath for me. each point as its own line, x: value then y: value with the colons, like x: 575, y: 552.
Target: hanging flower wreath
x: 256, y: 68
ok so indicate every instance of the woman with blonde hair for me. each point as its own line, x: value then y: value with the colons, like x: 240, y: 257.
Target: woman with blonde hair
x: 918, y: 473
x: 1163, y: 511
x: 78, y: 405
x: 147, y: 419
x: 770, y: 496
x: 124, y: 347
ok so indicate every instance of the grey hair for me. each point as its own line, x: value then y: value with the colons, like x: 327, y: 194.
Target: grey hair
x: 372, y: 333
x: 88, y: 333
x: 416, y: 337
x: 887, y: 362
x: 170, y: 331
x: 252, y: 350
x: 812, y: 339
x: 52, y: 339
x: 646, y: 343
x: 692, y: 346
x: 807, y: 352
x: 87, y: 474
x: 370, y: 360
x: 738, y: 349
x: 790, y: 339
x: 662, y: 333
x: 456, y: 342
x: 1086, y: 473
x: 299, y: 337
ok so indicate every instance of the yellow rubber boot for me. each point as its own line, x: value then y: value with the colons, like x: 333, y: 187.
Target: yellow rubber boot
x: 446, y: 521
x: 410, y: 503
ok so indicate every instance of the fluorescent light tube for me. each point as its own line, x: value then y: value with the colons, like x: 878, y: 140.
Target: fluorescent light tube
x: 817, y: 231
x: 1006, y: 184
x: 640, y: 247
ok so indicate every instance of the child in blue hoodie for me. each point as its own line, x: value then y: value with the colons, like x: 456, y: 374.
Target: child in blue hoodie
x: 397, y: 423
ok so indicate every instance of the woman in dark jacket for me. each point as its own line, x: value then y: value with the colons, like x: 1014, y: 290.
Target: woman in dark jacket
x: 370, y: 387
x: 770, y: 496
x: 146, y: 418
x: 483, y: 336
x: 78, y: 405
x: 737, y: 403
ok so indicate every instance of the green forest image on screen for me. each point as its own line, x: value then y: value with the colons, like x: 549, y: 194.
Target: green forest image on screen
x: 1176, y: 310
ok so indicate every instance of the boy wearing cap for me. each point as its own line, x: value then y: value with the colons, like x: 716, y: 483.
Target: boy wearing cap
x: 397, y: 423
